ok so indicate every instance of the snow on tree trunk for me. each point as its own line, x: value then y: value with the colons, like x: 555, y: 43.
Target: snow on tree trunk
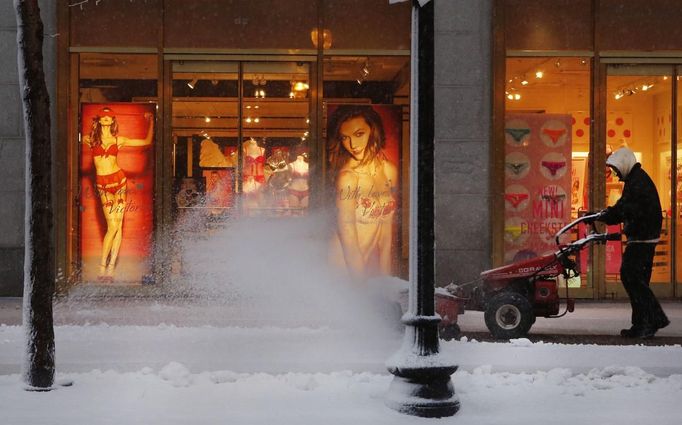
x: 38, y: 367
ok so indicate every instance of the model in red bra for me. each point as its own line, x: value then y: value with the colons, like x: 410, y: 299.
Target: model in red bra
x: 110, y: 180
x: 101, y: 151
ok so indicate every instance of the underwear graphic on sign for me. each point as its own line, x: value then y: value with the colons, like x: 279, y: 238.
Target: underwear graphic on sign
x: 553, y: 166
x: 516, y: 167
x: 515, y: 198
x: 554, y: 198
x: 514, y: 232
x: 517, y: 133
x: 554, y: 134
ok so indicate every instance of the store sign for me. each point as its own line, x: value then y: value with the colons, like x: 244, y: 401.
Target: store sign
x: 363, y: 150
x: 116, y: 193
x: 537, y: 182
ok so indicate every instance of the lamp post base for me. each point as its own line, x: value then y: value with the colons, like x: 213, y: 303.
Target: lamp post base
x: 421, y: 384
x: 426, y: 392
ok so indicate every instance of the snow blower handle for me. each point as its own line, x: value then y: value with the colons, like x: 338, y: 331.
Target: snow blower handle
x: 587, y: 219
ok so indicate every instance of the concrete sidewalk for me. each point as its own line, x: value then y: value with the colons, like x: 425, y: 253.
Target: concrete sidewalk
x: 589, y: 317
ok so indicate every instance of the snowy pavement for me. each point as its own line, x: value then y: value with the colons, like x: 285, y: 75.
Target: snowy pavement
x: 589, y: 318
x: 172, y: 362
x: 126, y: 335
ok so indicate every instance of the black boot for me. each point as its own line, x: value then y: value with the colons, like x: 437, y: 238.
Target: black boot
x: 633, y: 332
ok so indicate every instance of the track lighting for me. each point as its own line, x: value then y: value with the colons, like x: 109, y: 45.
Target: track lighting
x: 192, y: 83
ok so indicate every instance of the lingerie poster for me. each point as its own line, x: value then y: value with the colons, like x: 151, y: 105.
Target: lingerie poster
x: 116, y: 194
x: 363, y: 145
x: 537, y: 170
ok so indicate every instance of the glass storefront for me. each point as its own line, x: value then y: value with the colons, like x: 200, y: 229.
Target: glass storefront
x: 570, y: 99
x: 250, y: 128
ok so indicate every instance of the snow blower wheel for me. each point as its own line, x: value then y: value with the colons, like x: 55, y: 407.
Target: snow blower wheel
x: 509, y: 315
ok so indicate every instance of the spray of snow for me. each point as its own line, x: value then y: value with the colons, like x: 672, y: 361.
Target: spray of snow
x: 276, y: 271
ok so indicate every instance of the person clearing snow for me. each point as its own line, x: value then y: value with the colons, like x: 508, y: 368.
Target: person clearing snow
x: 639, y: 209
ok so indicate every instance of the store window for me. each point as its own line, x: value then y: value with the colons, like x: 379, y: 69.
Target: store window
x: 639, y: 116
x: 116, y: 167
x: 547, y: 140
x: 205, y: 115
x: 366, y: 146
x: 241, y: 139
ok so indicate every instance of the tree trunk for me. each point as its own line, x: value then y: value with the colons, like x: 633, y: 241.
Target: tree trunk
x: 39, y: 279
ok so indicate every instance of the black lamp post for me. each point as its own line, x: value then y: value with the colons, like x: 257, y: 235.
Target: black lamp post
x: 422, y: 385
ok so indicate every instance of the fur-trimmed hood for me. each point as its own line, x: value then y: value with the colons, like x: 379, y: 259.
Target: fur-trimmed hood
x: 623, y: 160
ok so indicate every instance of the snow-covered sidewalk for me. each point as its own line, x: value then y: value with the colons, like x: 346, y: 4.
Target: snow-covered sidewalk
x: 207, y: 375
x: 153, y: 362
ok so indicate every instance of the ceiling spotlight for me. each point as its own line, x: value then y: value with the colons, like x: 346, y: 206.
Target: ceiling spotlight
x: 207, y: 119
x: 524, y: 82
x: 192, y: 83
x: 364, y: 72
x: 539, y: 74
x: 301, y: 86
x: 365, y: 69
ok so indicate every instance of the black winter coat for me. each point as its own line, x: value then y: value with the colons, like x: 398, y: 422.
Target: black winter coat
x: 639, y: 207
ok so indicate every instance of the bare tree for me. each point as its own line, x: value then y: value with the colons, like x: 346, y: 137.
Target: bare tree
x: 38, y: 367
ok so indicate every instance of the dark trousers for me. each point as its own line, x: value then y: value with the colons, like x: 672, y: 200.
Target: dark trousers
x: 635, y: 272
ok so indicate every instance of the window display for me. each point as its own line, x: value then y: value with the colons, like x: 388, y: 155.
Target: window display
x: 298, y: 188
x: 205, y: 176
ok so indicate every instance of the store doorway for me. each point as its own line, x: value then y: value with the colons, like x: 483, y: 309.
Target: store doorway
x: 639, y: 115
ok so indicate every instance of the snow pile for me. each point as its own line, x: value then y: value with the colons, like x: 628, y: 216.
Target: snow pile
x: 173, y: 395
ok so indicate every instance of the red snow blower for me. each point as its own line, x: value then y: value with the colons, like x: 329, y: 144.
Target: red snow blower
x: 512, y: 296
